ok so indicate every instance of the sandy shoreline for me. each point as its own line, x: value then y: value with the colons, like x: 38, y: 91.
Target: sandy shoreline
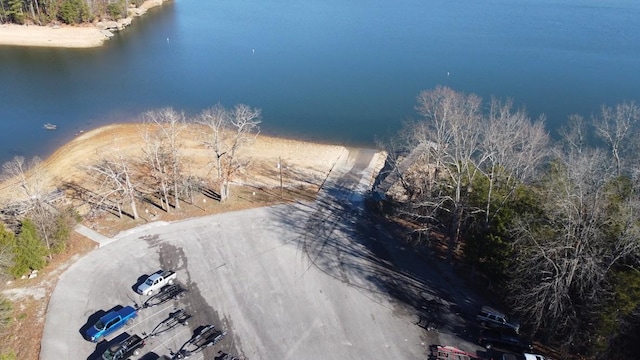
x: 304, y: 163
x: 46, y: 36
x: 62, y: 36
x: 313, y: 160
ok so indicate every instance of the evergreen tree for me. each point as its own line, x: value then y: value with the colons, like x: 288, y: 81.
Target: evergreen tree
x: 15, y: 11
x: 30, y: 252
x: 74, y: 12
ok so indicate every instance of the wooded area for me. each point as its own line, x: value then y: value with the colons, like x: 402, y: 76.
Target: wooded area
x: 44, y: 12
x: 553, y: 227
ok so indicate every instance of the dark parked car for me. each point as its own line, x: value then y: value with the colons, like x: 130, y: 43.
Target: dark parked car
x: 124, y: 349
x: 489, y: 317
x: 503, y: 339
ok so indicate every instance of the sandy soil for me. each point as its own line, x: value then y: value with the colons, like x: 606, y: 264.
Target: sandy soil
x: 62, y: 36
x: 46, y: 36
x: 302, y: 162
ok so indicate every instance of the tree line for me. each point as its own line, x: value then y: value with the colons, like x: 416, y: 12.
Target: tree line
x: 44, y: 12
x: 552, y: 225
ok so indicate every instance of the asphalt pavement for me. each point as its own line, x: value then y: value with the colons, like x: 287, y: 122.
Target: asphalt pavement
x: 297, y: 281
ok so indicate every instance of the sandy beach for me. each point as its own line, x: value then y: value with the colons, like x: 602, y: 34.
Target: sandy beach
x: 313, y: 159
x: 46, y: 36
x: 83, y: 36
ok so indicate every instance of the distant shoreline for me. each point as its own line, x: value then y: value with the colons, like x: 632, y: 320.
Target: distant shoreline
x: 82, y: 36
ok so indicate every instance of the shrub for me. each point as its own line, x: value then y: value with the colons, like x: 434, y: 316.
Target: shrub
x: 65, y: 221
x: 6, y: 314
x: 8, y: 356
x: 7, y: 251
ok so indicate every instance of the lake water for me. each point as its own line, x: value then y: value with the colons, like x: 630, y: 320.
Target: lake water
x: 325, y: 70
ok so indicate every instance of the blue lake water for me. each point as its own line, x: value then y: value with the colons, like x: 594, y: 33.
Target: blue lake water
x: 325, y: 70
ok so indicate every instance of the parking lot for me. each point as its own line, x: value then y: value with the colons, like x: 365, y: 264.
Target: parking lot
x: 295, y: 281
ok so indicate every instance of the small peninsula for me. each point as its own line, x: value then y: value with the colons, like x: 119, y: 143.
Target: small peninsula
x: 67, y: 36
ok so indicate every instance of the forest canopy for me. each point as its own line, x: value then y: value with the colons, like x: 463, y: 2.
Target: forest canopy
x: 552, y: 227
x: 44, y: 12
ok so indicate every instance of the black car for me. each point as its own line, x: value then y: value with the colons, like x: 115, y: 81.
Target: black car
x: 503, y: 339
x: 124, y: 349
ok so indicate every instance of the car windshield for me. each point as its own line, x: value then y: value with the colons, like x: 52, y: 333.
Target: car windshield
x: 108, y: 355
x: 99, y: 325
x: 149, y: 281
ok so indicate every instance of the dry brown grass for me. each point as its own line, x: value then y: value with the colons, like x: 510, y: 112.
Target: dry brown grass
x: 304, y: 168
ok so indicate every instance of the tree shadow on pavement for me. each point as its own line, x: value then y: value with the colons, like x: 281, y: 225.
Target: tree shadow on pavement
x: 339, y: 237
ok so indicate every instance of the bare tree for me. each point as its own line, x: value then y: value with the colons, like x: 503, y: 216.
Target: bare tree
x: 27, y: 176
x: 117, y: 186
x: 574, y: 134
x: 161, y: 130
x: 30, y: 179
x: 154, y: 167
x: 617, y: 127
x: 514, y: 148
x: 450, y: 132
x: 564, y: 258
x: 217, y: 119
x: 230, y: 130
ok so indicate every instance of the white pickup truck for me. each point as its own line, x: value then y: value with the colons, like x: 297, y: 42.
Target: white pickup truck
x: 157, y: 281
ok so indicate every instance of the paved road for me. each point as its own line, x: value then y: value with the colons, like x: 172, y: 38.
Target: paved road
x: 299, y: 281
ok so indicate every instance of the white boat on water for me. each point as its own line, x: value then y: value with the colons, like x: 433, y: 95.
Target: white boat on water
x: 50, y: 126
